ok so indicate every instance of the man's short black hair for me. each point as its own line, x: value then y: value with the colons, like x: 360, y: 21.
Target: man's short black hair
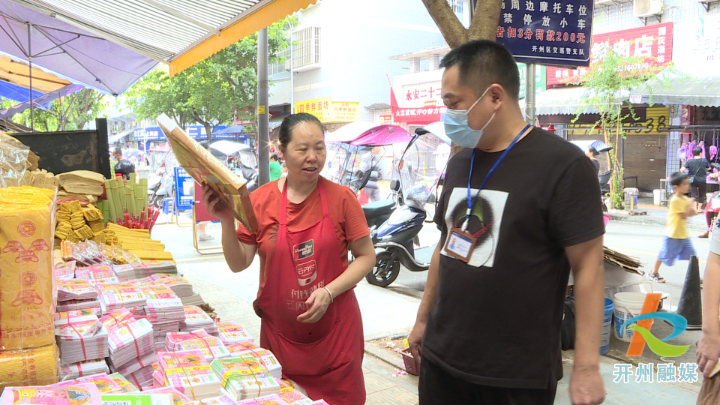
x: 117, y: 151
x: 483, y: 63
x: 697, y: 151
x: 592, y: 150
x: 677, y: 178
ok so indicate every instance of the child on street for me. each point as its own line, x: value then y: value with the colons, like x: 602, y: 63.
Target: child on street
x: 676, y: 244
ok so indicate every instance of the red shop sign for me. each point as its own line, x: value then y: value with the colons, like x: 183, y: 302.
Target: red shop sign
x: 422, y: 115
x: 654, y: 42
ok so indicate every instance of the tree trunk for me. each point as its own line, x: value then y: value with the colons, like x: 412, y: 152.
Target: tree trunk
x: 208, y: 131
x: 483, y: 26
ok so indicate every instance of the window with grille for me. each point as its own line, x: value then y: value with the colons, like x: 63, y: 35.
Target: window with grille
x: 306, y: 50
x: 457, y: 6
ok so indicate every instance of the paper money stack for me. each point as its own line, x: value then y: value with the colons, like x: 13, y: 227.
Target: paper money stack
x: 196, y: 318
x: 75, y: 295
x: 188, y: 372
x: 146, y: 269
x: 180, y: 285
x: 264, y: 356
x: 164, y: 310
x: 125, y: 385
x: 130, y: 339
x: 97, y: 274
x: 80, y: 336
x: 245, y: 377
x: 231, y: 333
x: 64, y: 271
x: 104, y: 383
x: 83, y: 368
x: 116, y: 296
x: 212, y: 347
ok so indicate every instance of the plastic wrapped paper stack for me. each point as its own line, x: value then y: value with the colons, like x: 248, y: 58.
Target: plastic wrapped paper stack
x: 188, y: 372
x: 27, y: 287
x: 245, y: 378
x: 80, y: 336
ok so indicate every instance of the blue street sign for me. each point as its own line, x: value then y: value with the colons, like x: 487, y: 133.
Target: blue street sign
x: 547, y: 32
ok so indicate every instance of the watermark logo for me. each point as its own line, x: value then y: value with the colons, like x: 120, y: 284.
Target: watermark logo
x: 656, y: 373
x: 642, y: 335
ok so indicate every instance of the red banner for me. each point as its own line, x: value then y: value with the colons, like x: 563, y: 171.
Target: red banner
x: 653, y: 42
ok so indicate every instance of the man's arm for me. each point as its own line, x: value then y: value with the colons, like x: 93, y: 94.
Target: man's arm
x: 709, y: 345
x: 418, y: 331
x: 586, y: 261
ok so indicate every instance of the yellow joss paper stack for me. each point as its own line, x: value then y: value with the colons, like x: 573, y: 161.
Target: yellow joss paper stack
x: 138, y: 242
x: 27, y: 287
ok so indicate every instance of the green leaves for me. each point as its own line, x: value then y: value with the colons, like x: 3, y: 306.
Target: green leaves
x: 213, y: 91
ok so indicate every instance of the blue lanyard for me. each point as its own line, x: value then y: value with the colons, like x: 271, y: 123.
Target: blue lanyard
x: 471, y: 200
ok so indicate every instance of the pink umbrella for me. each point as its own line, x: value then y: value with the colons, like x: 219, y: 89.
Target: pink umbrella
x: 363, y: 133
x: 161, y: 148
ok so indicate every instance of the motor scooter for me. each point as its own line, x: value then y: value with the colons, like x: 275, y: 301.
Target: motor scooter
x: 396, y: 238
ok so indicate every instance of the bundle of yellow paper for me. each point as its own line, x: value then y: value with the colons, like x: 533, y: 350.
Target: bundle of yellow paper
x: 30, y: 367
x: 26, y: 268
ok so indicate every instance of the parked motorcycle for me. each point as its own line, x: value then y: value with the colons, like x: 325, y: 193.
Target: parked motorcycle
x: 159, y: 188
x: 396, y: 239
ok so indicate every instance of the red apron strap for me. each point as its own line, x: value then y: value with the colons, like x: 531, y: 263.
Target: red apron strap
x: 326, y: 211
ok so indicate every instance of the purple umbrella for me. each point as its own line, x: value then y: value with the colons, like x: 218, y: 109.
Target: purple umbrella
x: 69, y: 51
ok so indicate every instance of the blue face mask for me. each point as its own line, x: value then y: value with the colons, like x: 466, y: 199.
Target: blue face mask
x: 458, y: 130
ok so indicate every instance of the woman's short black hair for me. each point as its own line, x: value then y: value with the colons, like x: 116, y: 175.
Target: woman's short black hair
x: 592, y: 150
x: 274, y: 157
x: 291, y: 121
x: 677, y: 178
x: 697, y: 151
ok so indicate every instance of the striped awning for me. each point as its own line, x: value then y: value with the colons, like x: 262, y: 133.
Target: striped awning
x: 180, y: 32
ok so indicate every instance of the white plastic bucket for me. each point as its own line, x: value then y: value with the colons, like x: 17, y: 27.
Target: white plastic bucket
x: 607, y: 321
x: 627, y: 305
x: 657, y: 196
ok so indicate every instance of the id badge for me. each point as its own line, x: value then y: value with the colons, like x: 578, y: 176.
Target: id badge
x: 460, y: 244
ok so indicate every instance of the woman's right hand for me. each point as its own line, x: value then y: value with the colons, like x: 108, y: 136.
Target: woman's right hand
x: 214, y: 205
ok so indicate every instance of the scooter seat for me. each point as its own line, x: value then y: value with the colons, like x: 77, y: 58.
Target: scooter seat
x: 377, y: 208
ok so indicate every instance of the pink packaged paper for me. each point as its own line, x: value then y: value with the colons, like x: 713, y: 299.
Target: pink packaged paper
x: 221, y: 400
x: 116, y: 318
x: 79, y: 394
x: 211, y: 346
x: 231, y: 333
x: 97, y: 274
x: 64, y: 271
x: 76, y: 324
x: 76, y: 289
x: 294, y: 397
x: 267, y: 400
x: 183, y: 358
x: 104, y: 383
x: 63, y: 384
x: 178, y: 397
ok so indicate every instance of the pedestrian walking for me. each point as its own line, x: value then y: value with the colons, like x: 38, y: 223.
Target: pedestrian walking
x: 676, y: 243
x: 310, y: 315
x: 488, y: 326
x: 370, y: 168
x: 698, y: 168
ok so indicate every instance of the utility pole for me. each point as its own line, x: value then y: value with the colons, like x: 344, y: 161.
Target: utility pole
x: 530, y: 93
x: 262, y: 110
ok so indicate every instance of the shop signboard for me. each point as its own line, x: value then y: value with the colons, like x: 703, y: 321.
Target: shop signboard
x: 654, y: 42
x: 547, y: 32
x: 196, y: 132
x: 707, y: 115
x: 653, y: 121
x: 184, y: 185
x: 386, y: 119
x: 540, y: 79
x: 327, y: 110
x: 700, y: 55
x: 417, y: 94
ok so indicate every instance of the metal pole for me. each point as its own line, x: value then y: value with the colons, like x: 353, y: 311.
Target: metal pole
x: 32, y: 109
x: 292, y: 74
x: 263, y: 135
x: 530, y: 93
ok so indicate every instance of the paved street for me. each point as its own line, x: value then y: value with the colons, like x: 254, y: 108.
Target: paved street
x: 392, y: 310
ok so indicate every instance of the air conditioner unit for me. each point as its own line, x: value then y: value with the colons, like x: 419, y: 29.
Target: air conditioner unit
x: 647, y: 8
x: 604, y: 1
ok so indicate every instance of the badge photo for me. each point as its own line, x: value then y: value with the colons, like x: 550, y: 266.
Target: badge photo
x: 460, y: 244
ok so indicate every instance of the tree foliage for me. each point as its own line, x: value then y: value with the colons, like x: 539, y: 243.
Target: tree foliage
x: 65, y: 114
x: 213, y: 91
x: 608, y: 82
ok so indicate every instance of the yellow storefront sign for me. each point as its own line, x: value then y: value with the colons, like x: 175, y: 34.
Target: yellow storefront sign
x: 328, y: 111
x: 656, y: 122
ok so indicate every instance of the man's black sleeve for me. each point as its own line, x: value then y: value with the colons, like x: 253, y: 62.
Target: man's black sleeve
x: 576, y: 210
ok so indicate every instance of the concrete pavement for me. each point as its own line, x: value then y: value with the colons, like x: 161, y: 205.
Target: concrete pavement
x: 392, y: 310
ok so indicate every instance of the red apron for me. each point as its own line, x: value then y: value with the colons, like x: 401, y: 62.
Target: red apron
x: 325, y: 358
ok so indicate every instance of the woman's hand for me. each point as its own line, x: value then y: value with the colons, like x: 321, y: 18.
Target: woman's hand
x: 318, y: 302
x: 214, y: 206
x: 708, y: 353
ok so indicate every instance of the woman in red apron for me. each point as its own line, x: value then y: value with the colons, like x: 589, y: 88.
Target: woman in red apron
x: 310, y: 317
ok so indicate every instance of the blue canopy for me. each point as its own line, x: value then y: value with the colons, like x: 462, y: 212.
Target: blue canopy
x: 16, y: 93
x: 237, y: 129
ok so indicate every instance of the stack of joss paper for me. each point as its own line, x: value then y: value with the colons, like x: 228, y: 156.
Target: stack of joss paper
x: 130, y: 339
x: 207, y: 169
x: 196, y: 318
x: 80, y: 336
x: 266, y: 357
x: 232, y: 333
x: 146, y: 269
x: 178, y: 398
x: 180, y: 285
x: 101, y: 274
x: 76, y: 289
x: 188, y: 372
x: 212, y: 347
x: 116, y: 296
x: 164, y: 310
x: 64, y: 271
x: 137, y: 398
x: 104, y: 383
x: 126, y: 386
x: 76, y: 394
x: 83, y: 368
x: 245, y: 377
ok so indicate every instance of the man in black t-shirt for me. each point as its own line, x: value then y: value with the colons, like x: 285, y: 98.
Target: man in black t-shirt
x: 488, y: 326
x: 123, y: 166
x: 592, y: 153
x: 697, y: 169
